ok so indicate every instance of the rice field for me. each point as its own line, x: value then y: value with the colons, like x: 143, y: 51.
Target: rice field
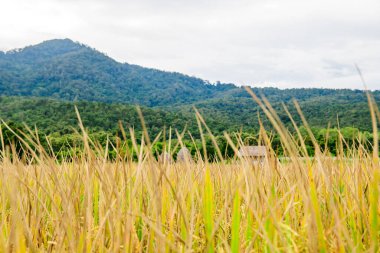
x: 89, y: 203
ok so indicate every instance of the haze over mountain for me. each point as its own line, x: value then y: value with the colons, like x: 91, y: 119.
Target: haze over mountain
x: 65, y: 70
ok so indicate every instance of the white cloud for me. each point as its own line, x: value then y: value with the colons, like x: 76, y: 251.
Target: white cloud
x: 288, y: 43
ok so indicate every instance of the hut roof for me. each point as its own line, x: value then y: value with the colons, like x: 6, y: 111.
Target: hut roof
x: 184, y: 155
x: 252, y: 151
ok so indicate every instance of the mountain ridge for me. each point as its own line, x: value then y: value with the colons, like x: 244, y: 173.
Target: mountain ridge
x: 90, y: 75
x: 70, y: 71
x: 67, y: 46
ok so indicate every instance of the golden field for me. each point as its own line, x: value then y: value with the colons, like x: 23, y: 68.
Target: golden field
x: 89, y: 203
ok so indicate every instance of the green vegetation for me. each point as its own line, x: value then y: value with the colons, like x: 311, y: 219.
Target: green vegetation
x: 70, y: 71
x: 58, y: 121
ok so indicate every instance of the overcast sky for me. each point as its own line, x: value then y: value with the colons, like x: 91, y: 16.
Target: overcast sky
x: 287, y: 43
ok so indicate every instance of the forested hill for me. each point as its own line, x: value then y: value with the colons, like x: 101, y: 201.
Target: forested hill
x: 58, y: 117
x: 108, y: 90
x: 71, y: 71
x: 63, y: 69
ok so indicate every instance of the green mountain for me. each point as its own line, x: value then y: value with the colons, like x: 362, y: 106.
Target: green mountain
x: 56, y: 71
x: 66, y: 70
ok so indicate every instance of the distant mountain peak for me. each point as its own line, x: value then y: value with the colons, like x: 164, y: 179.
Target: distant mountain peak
x: 60, y: 42
x: 51, y: 43
x: 46, y: 49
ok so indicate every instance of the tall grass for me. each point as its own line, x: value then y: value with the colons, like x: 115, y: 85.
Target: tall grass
x: 88, y: 203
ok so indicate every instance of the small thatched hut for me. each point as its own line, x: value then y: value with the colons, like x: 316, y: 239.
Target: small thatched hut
x: 184, y: 155
x: 253, y: 153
